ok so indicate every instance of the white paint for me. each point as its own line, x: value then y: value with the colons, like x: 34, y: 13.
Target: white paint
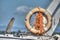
x: 30, y: 12
x: 52, y: 6
x: 55, y: 19
x: 55, y: 22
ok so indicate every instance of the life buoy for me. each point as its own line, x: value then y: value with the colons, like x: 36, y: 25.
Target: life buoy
x: 32, y: 29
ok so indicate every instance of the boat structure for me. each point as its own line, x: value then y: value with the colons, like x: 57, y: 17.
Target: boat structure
x: 43, y: 27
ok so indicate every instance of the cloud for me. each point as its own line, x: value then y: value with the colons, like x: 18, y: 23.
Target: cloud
x: 22, y: 9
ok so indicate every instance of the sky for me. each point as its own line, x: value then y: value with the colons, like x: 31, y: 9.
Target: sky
x: 18, y: 9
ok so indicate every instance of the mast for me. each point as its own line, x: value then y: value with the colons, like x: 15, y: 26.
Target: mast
x: 10, y: 25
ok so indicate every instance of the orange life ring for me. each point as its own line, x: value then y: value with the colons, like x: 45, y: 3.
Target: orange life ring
x: 32, y: 29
